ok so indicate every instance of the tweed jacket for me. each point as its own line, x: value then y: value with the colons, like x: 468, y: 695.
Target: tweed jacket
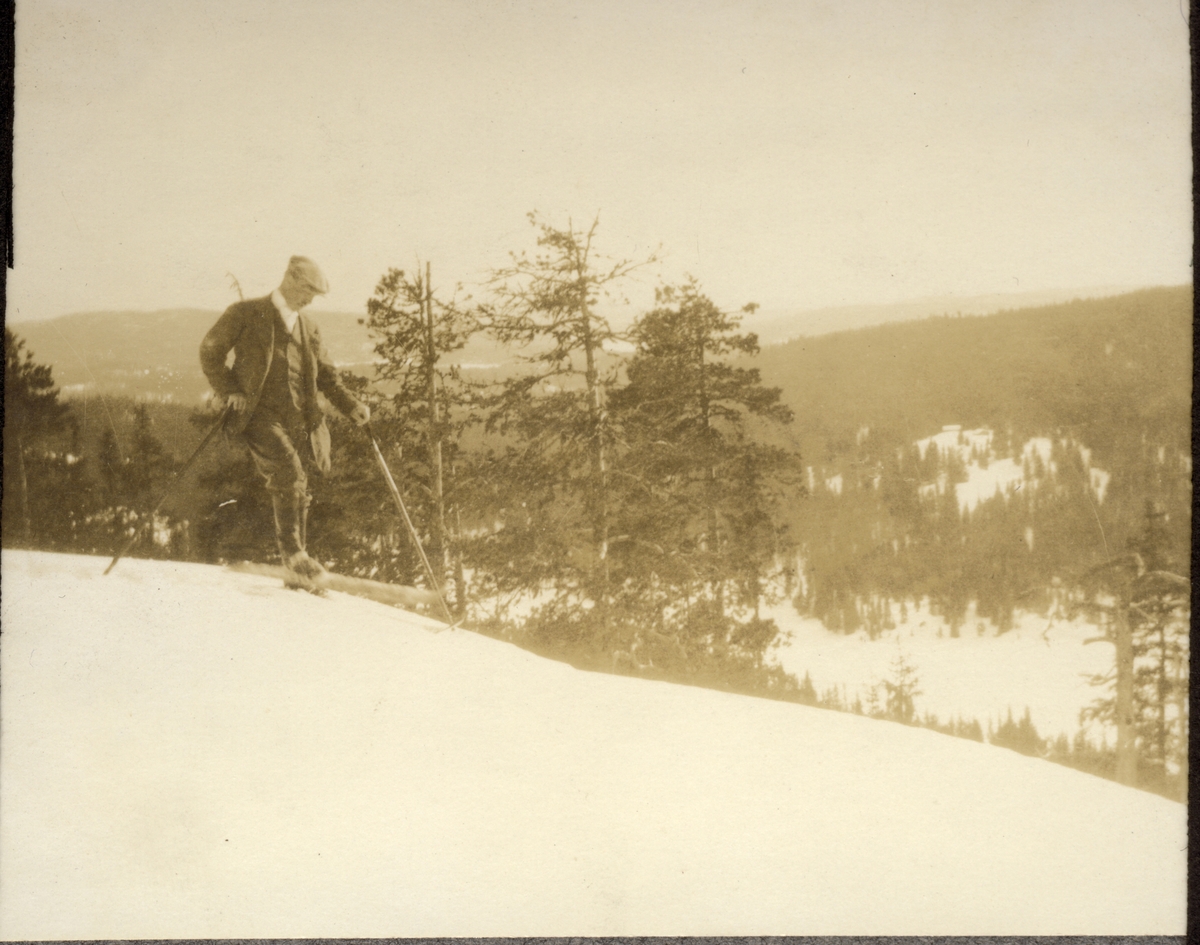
x: 248, y: 329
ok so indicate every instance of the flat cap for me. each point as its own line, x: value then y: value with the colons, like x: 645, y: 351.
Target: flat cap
x: 304, y: 270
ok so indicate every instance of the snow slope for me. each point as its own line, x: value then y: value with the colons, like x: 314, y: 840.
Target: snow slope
x: 192, y: 753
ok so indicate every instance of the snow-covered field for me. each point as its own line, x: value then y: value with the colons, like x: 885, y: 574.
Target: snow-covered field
x: 1040, y: 665
x: 192, y: 753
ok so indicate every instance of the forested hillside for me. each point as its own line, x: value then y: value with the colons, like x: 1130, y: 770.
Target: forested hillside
x: 1090, y: 400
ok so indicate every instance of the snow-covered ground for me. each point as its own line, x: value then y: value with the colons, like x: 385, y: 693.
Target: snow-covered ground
x: 1040, y: 665
x: 192, y: 753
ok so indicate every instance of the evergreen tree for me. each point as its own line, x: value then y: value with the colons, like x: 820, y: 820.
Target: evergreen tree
x: 699, y: 493
x: 130, y: 486
x: 112, y: 468
x: 33, y: 417
x: 1021, y: 736
x: 149, y: 463
x: 429, y: 401
x: 901, y: 691
x: 1159, y: 624
x: 1147, y: 616
x: 551, y: 472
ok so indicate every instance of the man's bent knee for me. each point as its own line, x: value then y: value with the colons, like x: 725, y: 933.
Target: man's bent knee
x: 284, y: 478
x: 290, y: 492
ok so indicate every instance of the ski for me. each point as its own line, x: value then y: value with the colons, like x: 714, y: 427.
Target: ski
x: 395, y: 595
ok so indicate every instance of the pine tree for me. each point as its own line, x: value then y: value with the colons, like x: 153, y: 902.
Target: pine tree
x: 1147, y: 615
x: 149, y: 462
x: 551, y: 472
x: 700, y: 494
x: 1159, y: 624
x: 429, y: 401
x: 131, y: 481
x: 1020, y: 736
x: 112, y: 467
x: 901, y: 691
x: 33, y: 416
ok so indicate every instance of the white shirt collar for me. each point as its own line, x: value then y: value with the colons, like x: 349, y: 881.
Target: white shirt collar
x: 289, y: 317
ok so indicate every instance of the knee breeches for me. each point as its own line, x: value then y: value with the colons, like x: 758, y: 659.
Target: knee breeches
x: 280, y: 453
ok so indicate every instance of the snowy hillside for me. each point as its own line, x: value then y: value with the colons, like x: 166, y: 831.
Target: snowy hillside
x: 1041, y: 664
x: 191, y: 753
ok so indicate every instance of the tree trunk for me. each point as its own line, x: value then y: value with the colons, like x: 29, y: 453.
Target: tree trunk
x: 599, y: 485
x: 460, y: 575
x: 714, y: 540
x: 434, y: 440
x: 1126, y: 734
x: 1162, y: 686
x: 1181, y: 719
x: 26, y: 520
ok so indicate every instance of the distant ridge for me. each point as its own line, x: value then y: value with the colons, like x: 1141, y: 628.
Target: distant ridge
x: 154, y: 354
x: 777, y: 325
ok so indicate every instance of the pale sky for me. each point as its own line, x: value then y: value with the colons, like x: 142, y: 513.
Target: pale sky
x: 796, y: 153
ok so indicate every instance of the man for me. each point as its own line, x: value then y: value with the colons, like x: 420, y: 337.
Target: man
x: 271, y: 390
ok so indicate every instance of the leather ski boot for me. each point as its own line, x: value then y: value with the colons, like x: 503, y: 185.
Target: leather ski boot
x: 291, y: 512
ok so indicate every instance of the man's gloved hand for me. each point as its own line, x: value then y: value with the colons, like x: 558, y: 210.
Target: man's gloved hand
x: 360, y: 414
x: 235, y: 402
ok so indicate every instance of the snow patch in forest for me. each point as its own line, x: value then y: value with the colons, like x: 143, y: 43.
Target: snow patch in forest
x: 988, y: 474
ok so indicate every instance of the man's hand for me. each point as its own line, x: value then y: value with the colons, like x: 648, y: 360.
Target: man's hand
x: 235, y: 402
x: 360, y: 414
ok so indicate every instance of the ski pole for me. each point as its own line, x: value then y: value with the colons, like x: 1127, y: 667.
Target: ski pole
x: 183, y: 469
x: 387, y: 474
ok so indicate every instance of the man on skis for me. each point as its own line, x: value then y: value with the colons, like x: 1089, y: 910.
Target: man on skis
x: 271, y: 390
